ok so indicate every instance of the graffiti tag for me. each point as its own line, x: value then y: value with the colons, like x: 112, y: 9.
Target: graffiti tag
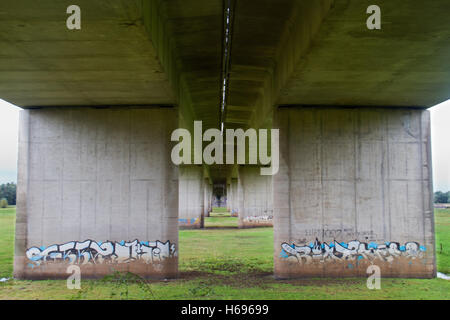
x: 90, y: 251
x: 353, y: 250
x: 264, y: 218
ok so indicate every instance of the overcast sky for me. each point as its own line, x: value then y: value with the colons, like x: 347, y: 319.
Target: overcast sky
x: 440, y: 144
x: 9, y: 122
x: 440, y: 138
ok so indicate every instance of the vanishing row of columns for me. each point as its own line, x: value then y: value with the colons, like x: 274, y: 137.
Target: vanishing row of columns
x: 97, y: 188
x: 248, y: 197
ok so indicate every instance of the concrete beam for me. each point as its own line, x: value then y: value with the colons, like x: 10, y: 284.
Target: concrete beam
x: 188, y: 39
x: 269, y: 40
x: 110, y: 61
x: 405, y: 63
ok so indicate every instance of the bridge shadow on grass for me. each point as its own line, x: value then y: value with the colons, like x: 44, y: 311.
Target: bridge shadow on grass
x: 221, y: 222
x: 220, y: 218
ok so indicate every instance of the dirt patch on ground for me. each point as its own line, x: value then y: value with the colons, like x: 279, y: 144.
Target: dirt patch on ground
x: 219, y: 227
x: 258, y: 279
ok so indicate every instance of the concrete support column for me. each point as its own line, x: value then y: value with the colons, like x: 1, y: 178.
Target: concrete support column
x: 191, y: 197
x: 97, y: 189
x: 235, y: 197
x: 207, y: 198
x: 240, y: 195
x: 211, y: 198
x: 354, y: 190
x: 229, y: 197
x: 255, y: 199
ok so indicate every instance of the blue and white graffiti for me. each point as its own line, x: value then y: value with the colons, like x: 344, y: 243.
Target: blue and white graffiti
x: 189, y: 222
x: 353, y: 250
x: 93, y: 252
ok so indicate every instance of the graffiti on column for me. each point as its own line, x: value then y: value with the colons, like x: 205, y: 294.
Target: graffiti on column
x: 353, y: 250
x: 189, y: 222
x: 258, y: 219
x: 93, y: 252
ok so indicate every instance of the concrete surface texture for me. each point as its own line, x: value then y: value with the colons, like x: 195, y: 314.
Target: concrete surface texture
x: 191, y: 197
x: 110, y: 61
x: 228, y: 196
x: 99, y: 175
x: 100, y: 89
x: 207, y: 198
x: 256, y: 207
x: 234, y: 198
x: 354, y: 187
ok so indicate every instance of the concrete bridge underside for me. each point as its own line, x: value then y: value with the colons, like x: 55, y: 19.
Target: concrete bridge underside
x: 96, y: 186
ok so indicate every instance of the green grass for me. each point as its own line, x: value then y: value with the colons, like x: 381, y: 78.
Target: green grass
x: 7, y: 227
x: 219, y: 212
x: 226, y: 264
x: 219, y: 209
x: 442, y: 229
x: 226, y: 252
x: 221, y: 222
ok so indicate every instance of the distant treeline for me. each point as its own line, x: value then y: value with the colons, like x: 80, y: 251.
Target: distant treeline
x: 441, y: 197
x: 8, y: 192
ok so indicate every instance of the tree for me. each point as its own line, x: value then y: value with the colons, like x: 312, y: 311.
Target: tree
x: 441, y: 197
x: 3, y: 203
x: 8, y: 192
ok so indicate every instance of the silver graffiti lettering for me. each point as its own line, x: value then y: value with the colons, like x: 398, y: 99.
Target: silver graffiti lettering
x: 264, y: 218
x: 93, y: 252
x: 353, y: 250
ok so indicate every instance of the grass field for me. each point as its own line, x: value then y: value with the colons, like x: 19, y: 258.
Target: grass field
x: 225, y: 263
x: 221, y: 222
x: 7, y: 221
x: 442, y: 229
x: 216, y: 219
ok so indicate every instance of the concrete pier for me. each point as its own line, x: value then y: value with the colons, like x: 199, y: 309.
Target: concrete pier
x: 234, y: 198
x: 354, y: 189
x: 191, y: 197
x: 96, y: 189
x: 207, y: 198
x: 229, y: 197
x: 256, y: 207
